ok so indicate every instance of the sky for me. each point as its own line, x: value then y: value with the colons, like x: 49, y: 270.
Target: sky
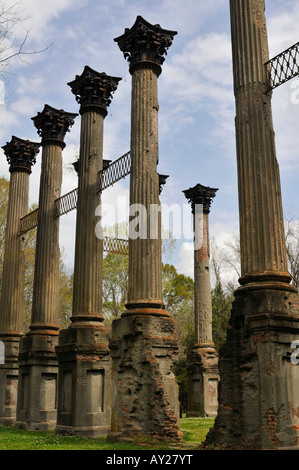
x: 195, y: 93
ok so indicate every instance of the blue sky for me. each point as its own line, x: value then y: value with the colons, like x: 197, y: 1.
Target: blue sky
x: 196, y: 115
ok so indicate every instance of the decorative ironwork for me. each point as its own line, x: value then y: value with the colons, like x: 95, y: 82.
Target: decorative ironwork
x: 145, y: 42
x: 21, y: 154
x: 66, y: 203
x: 283, y: 67
x: 110, y: 174
x: 28, y: 222
x: 116, y: 245
x: 116, y: 171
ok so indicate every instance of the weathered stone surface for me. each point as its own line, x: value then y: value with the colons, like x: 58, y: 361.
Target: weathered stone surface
x: 37, y: 388
x: 202, y: 364
x: 144, y: 341
x: 21, y: 156
x: 145, y: 393
x: 203, y: 378
x: 84, y: 403
x: 258, y: 403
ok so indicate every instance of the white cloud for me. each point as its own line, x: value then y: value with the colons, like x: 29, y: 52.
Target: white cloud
x: 185, y: 264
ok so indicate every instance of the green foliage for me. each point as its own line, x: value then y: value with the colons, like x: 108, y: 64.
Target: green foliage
x: 194, y: 432
x: 221, y: 305
x: 115, y: 285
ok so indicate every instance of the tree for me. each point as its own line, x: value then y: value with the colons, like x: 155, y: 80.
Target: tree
x: 221, y: 307
x: 178, y: 292
x: 115, y: 285
x: 292, y: 247
x: 4, y: 190
x: 12, y: 16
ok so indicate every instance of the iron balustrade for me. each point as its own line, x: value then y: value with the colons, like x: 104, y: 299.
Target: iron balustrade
x: 282, y: 67
x: 65, y: 203
x: 28, y: 222
x: 112, y: 173
x: 116, y: 171
x: 116, y: 245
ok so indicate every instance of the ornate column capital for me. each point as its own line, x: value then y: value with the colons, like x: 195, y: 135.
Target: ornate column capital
x: 21, y: 154
x: 52, y: 124
x: 200, y: 195
x: 162, y: 182
x: 94, y: 89
x: 145, y: 44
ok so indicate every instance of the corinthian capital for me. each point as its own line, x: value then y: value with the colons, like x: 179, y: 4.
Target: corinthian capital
x: 145, y: 42
x: 21, y: 154
x: 53, y: 124
x: 94, y: 89
x: 200, y: 195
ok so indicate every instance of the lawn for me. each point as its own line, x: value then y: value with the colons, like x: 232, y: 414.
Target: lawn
x: 194, y: 431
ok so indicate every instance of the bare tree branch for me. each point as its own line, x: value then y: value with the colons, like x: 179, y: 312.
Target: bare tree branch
x: 11, y: 18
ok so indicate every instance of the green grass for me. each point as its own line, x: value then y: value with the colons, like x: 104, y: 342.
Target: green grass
x: 194, y: 431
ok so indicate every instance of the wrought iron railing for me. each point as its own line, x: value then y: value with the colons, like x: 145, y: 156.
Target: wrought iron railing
x: 66, y: 203
x: 116, y: 245
x: 116, y: 171
x: 28, y: 222
x: 283, y: 67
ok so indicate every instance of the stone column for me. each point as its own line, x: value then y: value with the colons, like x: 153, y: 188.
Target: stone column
x: 144, y: 343
x: 21, y: 156
x: 203, y: 364
x: 84, y: 403
x: 258, y: 395
x: 37, y: 407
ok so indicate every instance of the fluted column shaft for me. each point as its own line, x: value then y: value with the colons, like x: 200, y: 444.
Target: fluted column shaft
x: 87, y: 300
x: 202, y: 288
x: 46, y: 274
x: 52, y: 125
x: 12, y: 300
x: 263, y: 252
x: 145, y: 265
x: 21, y: 155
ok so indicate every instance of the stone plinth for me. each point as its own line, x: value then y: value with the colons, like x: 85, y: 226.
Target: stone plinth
x: 84, y: 392
x: 37, y: 391
x: 21, y: 155
x: 143, y: 349
x: 144, y: 341
x: 203, y: 378
x: 258, y: 398
x: 84, y: 404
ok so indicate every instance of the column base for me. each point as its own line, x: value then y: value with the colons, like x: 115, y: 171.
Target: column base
x: 203, y: 379
x: 37, y: 386
x: 84, y: 400
x: 145, y: 394
x: 9, y: 374
x: 258, y: 382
